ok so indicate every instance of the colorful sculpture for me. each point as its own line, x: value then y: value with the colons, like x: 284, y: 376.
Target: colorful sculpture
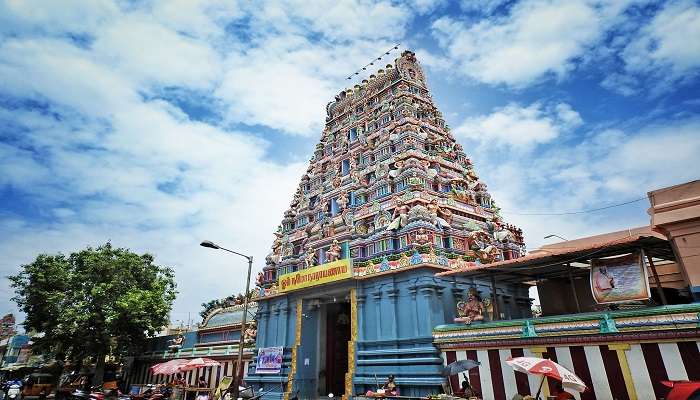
x: 470, y: 310
x: 333, y: 253
x: 250, y: 333
x: 387, y: 170
x: 400, y: 216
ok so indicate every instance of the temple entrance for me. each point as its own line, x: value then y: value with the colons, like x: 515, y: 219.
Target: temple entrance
x: 337, y: 335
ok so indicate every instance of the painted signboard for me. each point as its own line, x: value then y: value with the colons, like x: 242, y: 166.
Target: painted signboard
x: 619, y: 279
x: 324, y: 273
x: 269, y: 360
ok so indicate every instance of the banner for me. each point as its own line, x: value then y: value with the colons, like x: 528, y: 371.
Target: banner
x: 619, y: 279
x: 324, y: 273
x: 269, y: 360
x: 223, y: 385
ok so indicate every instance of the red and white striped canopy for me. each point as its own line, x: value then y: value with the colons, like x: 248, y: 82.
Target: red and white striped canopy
x: 198, y: 363
x: 168, y: 367
x: 542, y: 366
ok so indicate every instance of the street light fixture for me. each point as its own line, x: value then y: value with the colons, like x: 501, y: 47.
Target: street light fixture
x: 557, y: 236
x: 239, y: 365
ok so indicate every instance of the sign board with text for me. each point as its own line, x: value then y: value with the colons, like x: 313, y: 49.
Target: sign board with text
x: 318, y: 275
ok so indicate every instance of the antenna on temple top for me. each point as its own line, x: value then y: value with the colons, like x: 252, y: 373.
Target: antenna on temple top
x: 386, y: 53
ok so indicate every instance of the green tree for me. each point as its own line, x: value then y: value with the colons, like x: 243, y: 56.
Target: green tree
x: 93, y: 303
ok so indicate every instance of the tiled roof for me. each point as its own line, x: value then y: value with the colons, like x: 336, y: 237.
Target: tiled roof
x: 562, y: 254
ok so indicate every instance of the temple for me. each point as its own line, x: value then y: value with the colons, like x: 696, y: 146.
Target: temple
x: 349, y: 291
x: 393, y: 260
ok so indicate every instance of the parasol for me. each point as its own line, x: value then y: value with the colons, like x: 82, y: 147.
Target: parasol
x: 459, y: 366
x: 198, y: 362
x: 168, y: 367
x: 545, y: 367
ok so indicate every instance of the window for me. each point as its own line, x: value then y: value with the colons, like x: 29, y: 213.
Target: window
x: 382, y: 245
x: 386, y: 119
x: 302, y: 221
x: 352, y: 135
x: 371, y: 177
x: 446, y: 243
x: 401, y: 185
x: 345, y: 167
x: 403, y: 242
x: 383, y: 190
x: 334, y: 206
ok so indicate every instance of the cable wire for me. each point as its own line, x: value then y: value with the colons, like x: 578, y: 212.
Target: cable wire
x: 577, y: 212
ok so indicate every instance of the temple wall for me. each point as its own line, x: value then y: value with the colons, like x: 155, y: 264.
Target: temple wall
x: 396, y: 314
x: 618, y: 355
x: 599, y: 365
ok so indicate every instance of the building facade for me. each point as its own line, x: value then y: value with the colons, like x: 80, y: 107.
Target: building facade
x: 218, y: 338
x: 389, y: 198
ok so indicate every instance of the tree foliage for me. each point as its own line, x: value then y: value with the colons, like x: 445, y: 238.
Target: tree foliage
x: 94, y: 302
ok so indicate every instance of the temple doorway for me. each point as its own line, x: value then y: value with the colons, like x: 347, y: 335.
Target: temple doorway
x: 337, y: 335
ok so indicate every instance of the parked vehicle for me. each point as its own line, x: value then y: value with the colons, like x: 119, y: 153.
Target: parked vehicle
x: 38, y: 385
x: 14, y: 391
x: 683, y: 390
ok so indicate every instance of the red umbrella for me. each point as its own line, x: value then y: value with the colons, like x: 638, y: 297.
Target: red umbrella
x: 545, y: 367
x: 168, y: 367
x: 198, y: 363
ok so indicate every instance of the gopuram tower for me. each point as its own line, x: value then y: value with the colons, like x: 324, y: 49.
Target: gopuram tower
x: 349, y: 291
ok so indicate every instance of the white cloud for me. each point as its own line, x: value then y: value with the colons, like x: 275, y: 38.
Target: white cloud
x: 521, y: 127
x: 101, y: 160
x: 534, y: 40
x: 145, y: 50
x: 664, y: 48
x: 601, y: 168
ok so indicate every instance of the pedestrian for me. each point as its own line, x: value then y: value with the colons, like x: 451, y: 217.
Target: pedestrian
x: 563, y: 394
x: 201, y: 382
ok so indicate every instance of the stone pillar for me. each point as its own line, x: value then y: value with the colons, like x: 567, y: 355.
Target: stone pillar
x: 413, y: 292
x: 361, y: 331
x: 392, y: 297
x: 377, y: 297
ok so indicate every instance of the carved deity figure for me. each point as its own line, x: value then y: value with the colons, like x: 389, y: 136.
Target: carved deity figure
x: 333, y: 253
x: 176, y: 342
x: 488, y: 254
x: 399, y: 217
x: 250, y: 333
x: 342, y: 201
x: 310, y: 258
x: 422, y: 238
x: 435, y: 211
x: 472, y: 309
x: 259, y: 279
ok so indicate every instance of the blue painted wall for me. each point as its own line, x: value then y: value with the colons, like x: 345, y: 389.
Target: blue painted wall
x: 396, y: 315
x: 161, y: 343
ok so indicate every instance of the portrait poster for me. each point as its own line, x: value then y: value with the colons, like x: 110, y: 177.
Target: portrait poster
x: 269, y: 360
x: 619, y: 279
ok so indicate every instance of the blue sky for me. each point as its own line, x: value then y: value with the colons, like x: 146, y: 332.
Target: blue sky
x: 158, y: 124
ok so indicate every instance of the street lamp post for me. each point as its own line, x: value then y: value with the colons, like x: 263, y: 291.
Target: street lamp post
x: 239, y: 365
